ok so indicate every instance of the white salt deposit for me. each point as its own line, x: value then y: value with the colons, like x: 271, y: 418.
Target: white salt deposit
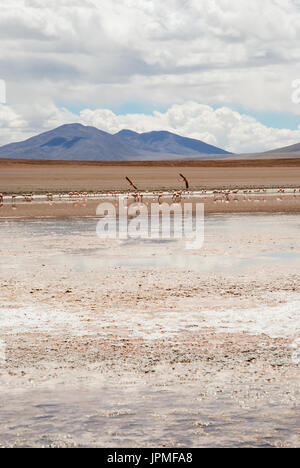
x: 38, y: 318
x: 279, y: 321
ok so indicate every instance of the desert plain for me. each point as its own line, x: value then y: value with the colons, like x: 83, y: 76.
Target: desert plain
x: 109, y: 342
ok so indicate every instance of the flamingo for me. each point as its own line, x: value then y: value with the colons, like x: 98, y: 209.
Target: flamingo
x: 28, y: 197
x: 177, y: 196
x: 185, y: 180
x: 131, y: 183
x: 135, y: 196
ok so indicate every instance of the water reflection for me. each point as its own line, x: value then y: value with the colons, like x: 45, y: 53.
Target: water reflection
x: 155, y: 418
x: 233, y: 242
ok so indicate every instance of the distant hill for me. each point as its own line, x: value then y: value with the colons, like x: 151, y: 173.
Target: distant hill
x: 76, y: 142
x: 167, y: 143
x: 287, y: 149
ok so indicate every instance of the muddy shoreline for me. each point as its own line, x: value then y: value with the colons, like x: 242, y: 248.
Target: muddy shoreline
x: 86, y: 206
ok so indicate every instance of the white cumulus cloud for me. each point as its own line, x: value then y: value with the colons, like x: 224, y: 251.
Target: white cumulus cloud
x: 176, y: 55
x: 221, y: 127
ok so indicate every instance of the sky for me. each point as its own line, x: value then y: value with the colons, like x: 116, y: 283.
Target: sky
x: 223, y: 71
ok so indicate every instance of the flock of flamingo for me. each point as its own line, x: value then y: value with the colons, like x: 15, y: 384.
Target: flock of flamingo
x: 219, y: 196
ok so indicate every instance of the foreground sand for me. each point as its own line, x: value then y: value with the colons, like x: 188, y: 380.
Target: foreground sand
x: 178, y: 354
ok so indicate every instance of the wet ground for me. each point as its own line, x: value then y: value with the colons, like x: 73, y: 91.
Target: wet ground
x: 159, y: 417
x: 41, y: 206
x: 145, y: 343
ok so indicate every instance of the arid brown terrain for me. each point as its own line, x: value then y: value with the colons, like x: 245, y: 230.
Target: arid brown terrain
x: 18, y: 176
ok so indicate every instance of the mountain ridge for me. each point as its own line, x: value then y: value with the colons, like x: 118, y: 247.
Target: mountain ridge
x: 78, y: 142
x: 286, y: 149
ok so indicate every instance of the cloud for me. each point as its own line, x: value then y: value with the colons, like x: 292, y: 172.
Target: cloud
x: 221, y: 127
x: 12, y: 126
x: 108, y: 53
x: 176, y: 55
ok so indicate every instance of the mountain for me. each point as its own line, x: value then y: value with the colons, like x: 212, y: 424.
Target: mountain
x: 168, y: 143
x: 287, y: 149
x: 69, y: 142
x: 76, y: 142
